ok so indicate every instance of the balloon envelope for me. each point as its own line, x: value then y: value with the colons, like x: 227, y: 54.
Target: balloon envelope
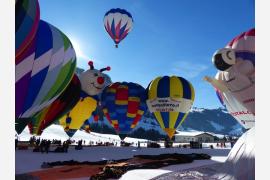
x: 81, y: 112
x: 236, y: 109
x: 170, y: 99
x: 62, y: 105
x: 123, y: 104
x: 71, y: 132
x: 240, y: 77
x: 27, y: 16
x: 118, y: 23
x: 44, y: 72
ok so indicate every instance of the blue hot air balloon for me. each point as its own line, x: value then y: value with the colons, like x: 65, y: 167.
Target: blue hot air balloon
x: 123, y: 106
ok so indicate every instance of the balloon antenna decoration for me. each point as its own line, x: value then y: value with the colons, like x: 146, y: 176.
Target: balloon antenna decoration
x: 108, y: 68
x: 91, y: 64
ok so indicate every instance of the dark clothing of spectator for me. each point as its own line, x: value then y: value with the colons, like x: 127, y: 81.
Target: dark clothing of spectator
x: 16, y: 143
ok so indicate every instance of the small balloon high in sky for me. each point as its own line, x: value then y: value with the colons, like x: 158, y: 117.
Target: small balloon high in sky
x: 118, y: 23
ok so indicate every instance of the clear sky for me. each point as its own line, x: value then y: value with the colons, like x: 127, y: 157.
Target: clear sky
x: 169, y: 37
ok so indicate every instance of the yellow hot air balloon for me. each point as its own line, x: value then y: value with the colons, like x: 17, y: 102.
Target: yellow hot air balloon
x: 170, y: 99
x: 81, y: 112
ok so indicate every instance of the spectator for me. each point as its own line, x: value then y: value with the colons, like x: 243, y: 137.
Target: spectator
x: 47, y: 146
x: 37, y: 142
x: 66, y: 145
x: 42, y: 145
x: 16, y: 143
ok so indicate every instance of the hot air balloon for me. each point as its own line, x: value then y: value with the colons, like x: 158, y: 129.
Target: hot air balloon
x: 236, y: 69
x: 170, y: 99
x: 62, y: 105
x: 239, y: 112
x: 118, y: 23
x: 123, y: 104
x: 27, y: 16
x: 235, y: 80
x: 92, y: 81
x: 43, y: 73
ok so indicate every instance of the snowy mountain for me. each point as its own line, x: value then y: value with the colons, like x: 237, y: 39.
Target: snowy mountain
x: 217, y: 121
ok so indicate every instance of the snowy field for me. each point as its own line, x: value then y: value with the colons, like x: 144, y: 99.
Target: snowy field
x: 35, y: 159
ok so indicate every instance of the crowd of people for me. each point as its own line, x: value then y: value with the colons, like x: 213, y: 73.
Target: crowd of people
x: 45, y: 145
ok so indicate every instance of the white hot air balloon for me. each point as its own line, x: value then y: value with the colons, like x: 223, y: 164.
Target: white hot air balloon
x: 236, y: 69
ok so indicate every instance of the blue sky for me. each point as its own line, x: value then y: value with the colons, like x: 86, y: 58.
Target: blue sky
x: 176, y: 37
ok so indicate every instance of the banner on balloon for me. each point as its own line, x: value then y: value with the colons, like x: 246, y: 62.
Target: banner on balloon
x: 169, y: 105
x: 236, y: 109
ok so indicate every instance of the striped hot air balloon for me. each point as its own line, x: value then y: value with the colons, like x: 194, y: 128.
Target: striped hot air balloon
x: 62, y: 105
x: 244, y: 46
x: 118, y: 23
x: 27, y: 16
x: 43, y: 74
x: 170, y: 99
x: 123, y: 106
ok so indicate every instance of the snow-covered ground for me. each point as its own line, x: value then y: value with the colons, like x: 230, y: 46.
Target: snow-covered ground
x: 146, y: 174
x: 35, y: 159
x: 240, y: 164
x: 57, y: 132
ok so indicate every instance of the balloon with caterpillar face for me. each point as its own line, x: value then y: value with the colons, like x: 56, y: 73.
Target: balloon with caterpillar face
x: 93, y: 82
x: 76, y: 103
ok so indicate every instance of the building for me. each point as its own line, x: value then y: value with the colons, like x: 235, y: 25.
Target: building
x: 196, y: 136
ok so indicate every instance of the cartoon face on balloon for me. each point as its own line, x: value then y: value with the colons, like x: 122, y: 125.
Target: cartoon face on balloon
x: 93, y: 81
x: 236, y: 70
x: 224, y: 58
